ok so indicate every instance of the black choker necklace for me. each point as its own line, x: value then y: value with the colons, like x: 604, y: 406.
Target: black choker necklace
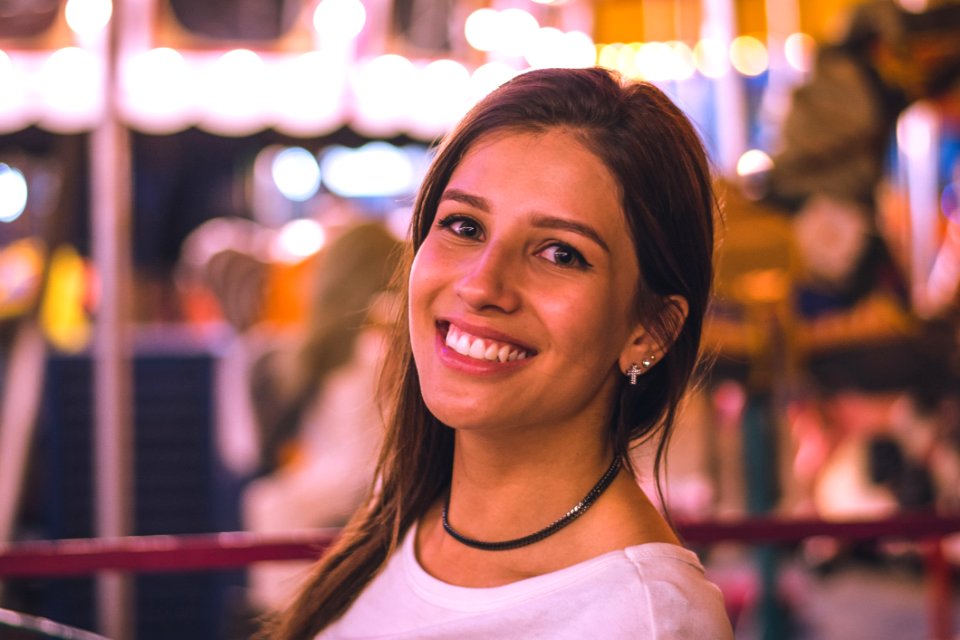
x: 574, y: 513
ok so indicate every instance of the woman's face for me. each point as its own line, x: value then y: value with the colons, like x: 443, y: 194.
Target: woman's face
x: 521, y: 293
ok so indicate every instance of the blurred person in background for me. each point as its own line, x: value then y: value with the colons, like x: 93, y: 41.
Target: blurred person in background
x: 314, y: 404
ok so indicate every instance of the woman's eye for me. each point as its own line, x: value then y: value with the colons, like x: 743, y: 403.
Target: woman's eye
x: 462, y: 226
x: 564, y: 256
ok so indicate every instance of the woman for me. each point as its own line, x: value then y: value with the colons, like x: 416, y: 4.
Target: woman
x: 562, y: 244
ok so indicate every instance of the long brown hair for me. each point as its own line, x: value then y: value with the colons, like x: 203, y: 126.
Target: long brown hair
x: 660, y: 164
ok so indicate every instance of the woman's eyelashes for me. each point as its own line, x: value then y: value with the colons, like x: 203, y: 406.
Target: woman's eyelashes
x: 559, y: 253
x: 461, y: 225
x: 563, y: 255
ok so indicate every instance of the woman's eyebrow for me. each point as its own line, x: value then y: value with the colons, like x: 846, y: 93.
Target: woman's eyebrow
x: 457, y: 195
x: 543, y: 221
x: 553, y: 222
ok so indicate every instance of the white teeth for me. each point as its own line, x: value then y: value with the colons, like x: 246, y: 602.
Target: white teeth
x: 480, y: 349
x: 463, y: 345
x: 477, y: 349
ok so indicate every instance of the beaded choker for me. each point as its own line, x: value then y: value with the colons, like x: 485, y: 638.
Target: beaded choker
x: 571, y: 515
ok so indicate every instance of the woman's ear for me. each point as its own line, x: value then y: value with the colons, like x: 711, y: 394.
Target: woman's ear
x: 645, y: 348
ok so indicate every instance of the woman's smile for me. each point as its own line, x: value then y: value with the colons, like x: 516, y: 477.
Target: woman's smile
x: 468, y: 344
x: 520, y: 294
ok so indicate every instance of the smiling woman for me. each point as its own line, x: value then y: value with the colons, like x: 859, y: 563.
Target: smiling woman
x: 559, y: 271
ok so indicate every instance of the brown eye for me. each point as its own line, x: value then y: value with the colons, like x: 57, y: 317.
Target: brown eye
x: 564, y: 256
x: 462, y: 226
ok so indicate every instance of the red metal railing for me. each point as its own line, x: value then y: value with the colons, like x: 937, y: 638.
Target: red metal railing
x: 237, y: 549
x: 55, y: 558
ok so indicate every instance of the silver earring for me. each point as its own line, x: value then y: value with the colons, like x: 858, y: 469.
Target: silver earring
x: 637, y: 370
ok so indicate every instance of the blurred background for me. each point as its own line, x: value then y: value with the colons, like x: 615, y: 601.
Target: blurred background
x: 200, y: 202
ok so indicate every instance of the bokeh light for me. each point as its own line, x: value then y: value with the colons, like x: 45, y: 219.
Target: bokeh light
x: 664, y: 61
x: 488, y: 77
x: 711, y: 58
x: 799, y: 49
x: 377, y: 169
x: 653, y: 61
x: 13, y: 96
x: 13, y: 193
x: 913, y: 6
x: 753, y: 162
x: 608, y: 55
x: 442, y: 96
x: 515, y: 29
x: 682, y: 62
x: 914, y: 136
x: 749, y: 56
x: 296, y: 173
x: 550, y: 47
x: 381, y: 87
x: 339, y: 20
x: 87, y: 17
x: 308, y: 93
x: 579, y: 50
x: 480, y: 29
x: 70, y: 82
x: 234, y: 93
x: 298, y: 239
x: 158, y: 88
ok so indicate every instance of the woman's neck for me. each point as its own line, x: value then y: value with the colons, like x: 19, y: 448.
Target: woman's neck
x: 507, y: 487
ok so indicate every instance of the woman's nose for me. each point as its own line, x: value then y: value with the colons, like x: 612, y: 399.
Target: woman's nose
x: 489, y: 282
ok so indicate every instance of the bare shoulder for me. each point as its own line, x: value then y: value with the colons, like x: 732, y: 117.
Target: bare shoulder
x: 628, y: 518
